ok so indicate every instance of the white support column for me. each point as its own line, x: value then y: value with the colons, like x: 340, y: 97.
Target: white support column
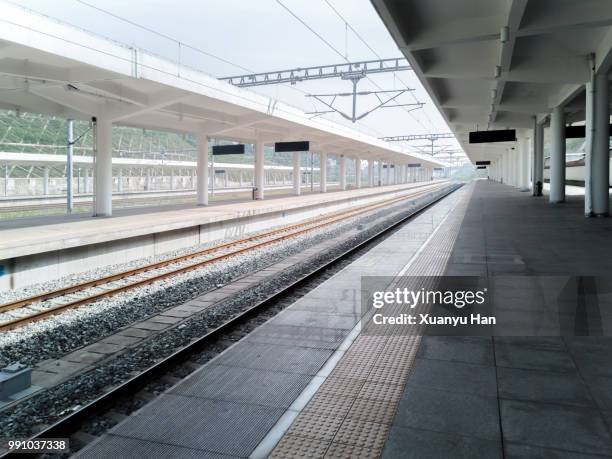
x: 86, y: 179
x: 524, y: 170
x: 380, y: 173
x: 557, y: 155
x: 297, y: 173
x: 120, y: 180
x: 148, y: 181
x: 104, y: 169
x: 259, y: 170
x: 600, y: 155
x: 388, y: 174
x: 509, y: 167
x: 342, y: 172
x: 323, y: 173
x: 201, y: 170
x: 507, y: 171
x: 370, y: 173
x: 590, y: 132
x: 519, y: 163
x: 357, y: 173
x: 46, y: 180
x: 538, y: 158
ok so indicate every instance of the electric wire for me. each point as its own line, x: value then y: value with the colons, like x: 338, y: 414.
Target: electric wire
x: 335, y: 50
x: 359, y: 36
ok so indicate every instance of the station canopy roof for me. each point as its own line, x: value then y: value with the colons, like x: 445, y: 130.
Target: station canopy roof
x: 53, y: 68
x: 497, y: 64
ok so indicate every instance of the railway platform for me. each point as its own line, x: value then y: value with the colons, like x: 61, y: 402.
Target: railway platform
x: 46, y: 248
x: 308, y: 383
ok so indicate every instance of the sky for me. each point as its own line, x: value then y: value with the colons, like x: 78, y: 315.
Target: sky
x: 261, y: 36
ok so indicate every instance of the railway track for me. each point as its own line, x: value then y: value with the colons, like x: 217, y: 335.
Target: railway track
x: 27, y: 310
x: 72, y: 423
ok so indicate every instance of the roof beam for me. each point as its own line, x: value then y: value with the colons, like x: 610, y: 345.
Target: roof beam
x: 516, y: 10
x: 460, y: 31
x: 69, y: 99
x: 154, y: 102
x: 603, y: 53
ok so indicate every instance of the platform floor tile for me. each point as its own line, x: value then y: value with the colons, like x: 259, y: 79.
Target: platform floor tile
x: 518, y: 451
x: 246, y: 385
x: 414, y: 443
x: 231, y: 428
x: 291, y: 359
x: 293, y: 335
x: 131, y: 448
x: 465, y: 378
x: 318, y: 319
x: 450, y: 412
x: 569, y: 428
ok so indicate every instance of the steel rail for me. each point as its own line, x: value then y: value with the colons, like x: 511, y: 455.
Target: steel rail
x: 302, y: 228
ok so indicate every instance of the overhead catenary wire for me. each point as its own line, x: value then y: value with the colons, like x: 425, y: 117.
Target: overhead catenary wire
x: 162, y: 35
x: 358, y: 35
x: 336, y: 51
x: 186, y: 45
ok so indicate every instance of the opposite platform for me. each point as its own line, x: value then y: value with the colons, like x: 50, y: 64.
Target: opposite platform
x: 69, y: 232
x: 50, y: 248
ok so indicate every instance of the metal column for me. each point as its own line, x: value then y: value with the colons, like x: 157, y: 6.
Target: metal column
x: 259, y: 170
x: 202, y: 170
x: 103, y: 193
x: 69, y: 166
x: 297, y: 173
x: 557, y: 156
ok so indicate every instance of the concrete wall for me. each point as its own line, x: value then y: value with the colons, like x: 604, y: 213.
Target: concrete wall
x: 32, y: 269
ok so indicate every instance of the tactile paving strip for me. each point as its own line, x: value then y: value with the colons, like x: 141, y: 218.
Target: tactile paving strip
x: 313, y: 425
x: 342, y: 451
x: 294, y: 446
x: 379, y: 367
x: 364, y: 434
